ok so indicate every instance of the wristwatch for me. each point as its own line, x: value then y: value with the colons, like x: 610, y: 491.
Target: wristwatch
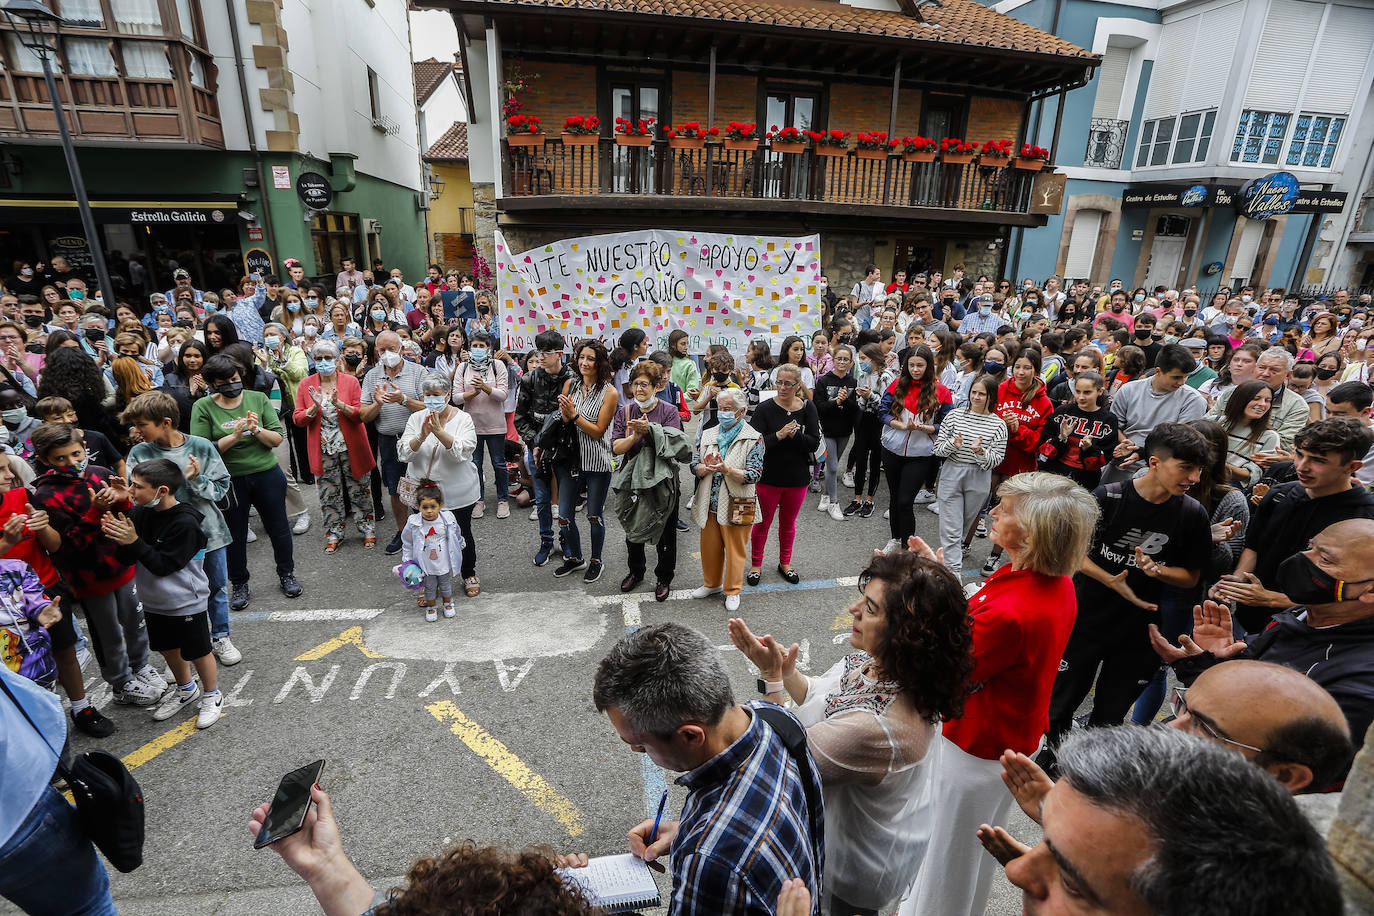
x: 767, y: 687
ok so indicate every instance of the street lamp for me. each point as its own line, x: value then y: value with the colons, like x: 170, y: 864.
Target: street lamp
x: 30, y: 20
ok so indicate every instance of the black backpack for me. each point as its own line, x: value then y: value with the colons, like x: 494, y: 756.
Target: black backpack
x: 558, y: 447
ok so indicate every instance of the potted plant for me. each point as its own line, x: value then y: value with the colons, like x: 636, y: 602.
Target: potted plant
x: 581, y: 130
x: 739, y: 135
x: 957, y: 152
x: 686, y: 136
x: 523, y: 130
x: 786, y: 140
x: 995, y: 154
x: 634, y: 133
x: 873, y: 145
x: 832, y: 143
x: 918, y: 149
x: 1032, y: 158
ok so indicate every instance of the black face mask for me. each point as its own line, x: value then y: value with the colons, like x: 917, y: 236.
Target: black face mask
x: 1325, y: 374
x: 1142, y: 334
x: 353, y: 359
x: 33, y: 321
x: 94, y: 334
x: 230, y: 389
x: 1306, y: 583
x: 1190, y: 312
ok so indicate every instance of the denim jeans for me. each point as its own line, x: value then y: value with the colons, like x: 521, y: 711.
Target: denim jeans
x: 217, y: 571
x: 50, y: 868
x: 598, y: 484
x: 494, y: 445
x: 543, y: 492
x: 1175, y: 617
x: 267, y: 491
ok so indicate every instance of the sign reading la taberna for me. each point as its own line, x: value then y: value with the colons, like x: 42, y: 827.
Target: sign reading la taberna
x: 720, y: 289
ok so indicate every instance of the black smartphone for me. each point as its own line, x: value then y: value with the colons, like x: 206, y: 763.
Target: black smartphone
x: 289, y: 805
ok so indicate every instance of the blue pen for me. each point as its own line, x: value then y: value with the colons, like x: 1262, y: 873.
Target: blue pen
x: 658, y: 818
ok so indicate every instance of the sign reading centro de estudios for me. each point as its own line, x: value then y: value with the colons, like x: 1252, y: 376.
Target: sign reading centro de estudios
x: 1256, y: 197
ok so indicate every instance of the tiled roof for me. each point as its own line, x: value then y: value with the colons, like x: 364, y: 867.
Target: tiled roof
x: 964, y: 22
x: 452, y: 146
x: 428, y: 75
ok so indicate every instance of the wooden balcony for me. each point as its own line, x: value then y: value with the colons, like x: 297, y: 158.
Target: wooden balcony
x: 608, y: 176
x: 111, y: 108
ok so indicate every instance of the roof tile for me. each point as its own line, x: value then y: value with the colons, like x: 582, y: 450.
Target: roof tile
x: 452, y: 146
x: 428, y: 75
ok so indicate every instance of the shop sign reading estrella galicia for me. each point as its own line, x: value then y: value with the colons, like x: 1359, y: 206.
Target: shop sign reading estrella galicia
x: 1271, y: 195
x: 314, y: 191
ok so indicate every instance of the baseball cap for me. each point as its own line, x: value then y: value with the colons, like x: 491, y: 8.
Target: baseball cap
x: 1194, y: 343
x: 985, y: 299
x: 181, y: 274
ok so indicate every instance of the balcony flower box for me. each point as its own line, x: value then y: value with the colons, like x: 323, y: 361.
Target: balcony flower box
x: 1032, y: 158
x: 580, y: 139
x: 925, y: 155
x: 633, y: 140
x: 831, y: 152
x: 1028, y: 165
x: 956, y: 158
x: 686, y: 142
x: 525, y: 139
x: 523, y: 130
x: 870, y: 154
x: 782, y: 146
x: 747, y: 145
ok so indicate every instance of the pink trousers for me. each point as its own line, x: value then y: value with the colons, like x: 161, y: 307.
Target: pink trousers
x: 791, y: 500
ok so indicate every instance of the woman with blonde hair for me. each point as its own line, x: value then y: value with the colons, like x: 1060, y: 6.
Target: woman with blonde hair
x: 130, y: 380
x: 1321, y: 337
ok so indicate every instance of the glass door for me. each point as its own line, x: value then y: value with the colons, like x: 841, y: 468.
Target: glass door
x: 633, y: 168
x: 787, y: 175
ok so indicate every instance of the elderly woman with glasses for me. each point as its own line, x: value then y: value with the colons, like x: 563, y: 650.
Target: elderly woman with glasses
x: 328, y: 407
x: 728, y: 463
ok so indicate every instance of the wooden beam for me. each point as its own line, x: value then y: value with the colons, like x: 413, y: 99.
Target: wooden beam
x: 896, y: 90
x: 711, y: 88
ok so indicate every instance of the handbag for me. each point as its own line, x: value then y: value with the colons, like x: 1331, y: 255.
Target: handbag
x: 741, y: 510
x: 109, y: 800
x: 408, y: 488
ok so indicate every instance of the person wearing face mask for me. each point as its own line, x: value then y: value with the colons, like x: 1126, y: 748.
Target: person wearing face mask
x: 329, y: 412
x: 246, y: 429
x: 383, y: 314
x: 391, y: 394
x: 986, y: 320
x: 280, y: 356
x: 437, y: 444
x: 480, y: 386
x: 18, y: 424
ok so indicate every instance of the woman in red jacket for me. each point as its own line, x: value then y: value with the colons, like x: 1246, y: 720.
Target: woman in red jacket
x: 1024, y: 405
x: 1022, y: 617
x: 327, y: 406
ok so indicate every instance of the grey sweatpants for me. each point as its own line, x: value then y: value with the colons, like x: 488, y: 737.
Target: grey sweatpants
x: 440, y: 584
x: 961, y: 493
x: 834, y: 448
x: 117, y: 634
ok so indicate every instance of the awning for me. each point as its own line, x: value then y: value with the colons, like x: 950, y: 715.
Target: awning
x: 200, y: 209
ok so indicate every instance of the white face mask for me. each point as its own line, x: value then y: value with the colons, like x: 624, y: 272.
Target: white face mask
x: 390, y: 359
x: 645, y: 405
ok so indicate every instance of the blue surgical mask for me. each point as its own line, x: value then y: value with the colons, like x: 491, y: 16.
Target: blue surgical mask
x: 435, y: 402
x: 729, y: 421
x: 294, y: 305
x: 209, y: 306
x: 1139, y: 297
x: 14, y: 416
x: 324, y: 366
x: 75, y: 294
x: 478, y: 354
x: 985, y: 310
x: 154, y: 503
x: 271, y: 341
x: 379, y: 314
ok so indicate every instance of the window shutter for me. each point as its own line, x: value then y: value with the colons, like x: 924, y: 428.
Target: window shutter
x: 1171, y: 67
x: 1111, y: 82
x: 1212, y: 58
x: 1247, y: 250
x: 1082, y: 244
x: 1279, y: 63
x: 1335, y: 80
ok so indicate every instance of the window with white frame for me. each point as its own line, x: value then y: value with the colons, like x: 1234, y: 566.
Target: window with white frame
x: 1176, y: 140
x: 1259, y: 136
x: 1315, y: 137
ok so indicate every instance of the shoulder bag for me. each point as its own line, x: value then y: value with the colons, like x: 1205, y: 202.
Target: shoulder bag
x: 108, y: 800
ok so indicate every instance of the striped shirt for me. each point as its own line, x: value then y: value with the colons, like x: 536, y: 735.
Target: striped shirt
x: 745, y: 829
x: 596, y: 453
x: 961, y: 421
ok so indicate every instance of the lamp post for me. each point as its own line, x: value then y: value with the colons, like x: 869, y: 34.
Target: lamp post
x: 30, y: 20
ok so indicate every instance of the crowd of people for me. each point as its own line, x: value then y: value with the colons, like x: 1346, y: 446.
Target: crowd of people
x: 1165, y: 486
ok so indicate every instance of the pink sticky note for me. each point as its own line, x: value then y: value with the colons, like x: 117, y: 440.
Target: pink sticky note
x: 710, y: 283
x: 787, y: 313
x: 710, y: 319
x: 696, y: 294
x: 691, y: 271
x: 727, y: 284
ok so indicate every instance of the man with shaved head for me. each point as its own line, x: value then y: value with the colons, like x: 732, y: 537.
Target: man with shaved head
x: 391, y: 393
x: 1328, y: 634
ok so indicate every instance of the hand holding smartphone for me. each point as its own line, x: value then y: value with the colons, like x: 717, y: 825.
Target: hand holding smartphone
x: 290, y: 805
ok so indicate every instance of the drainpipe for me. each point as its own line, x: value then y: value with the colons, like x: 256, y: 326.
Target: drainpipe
x: 252, y: 130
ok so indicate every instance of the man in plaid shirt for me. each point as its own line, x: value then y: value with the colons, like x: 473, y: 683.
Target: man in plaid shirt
x: 746, y: 826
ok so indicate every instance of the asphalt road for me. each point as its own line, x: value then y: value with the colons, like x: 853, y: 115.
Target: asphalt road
x: 481, y: 727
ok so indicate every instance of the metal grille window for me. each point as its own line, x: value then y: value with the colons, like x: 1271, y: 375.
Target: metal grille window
x: 1259, y: 136
x: 1315, y: 137
x: 1194, y: 136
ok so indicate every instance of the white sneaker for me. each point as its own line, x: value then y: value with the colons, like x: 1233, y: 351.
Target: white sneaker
x: 534, y: 514
x: 175, y: 701
x: 887, y: 513
x: 137, y: 693
x: 301, y: 527
x: 982, y: 530
x: 226, y: 651
x: 503, y: 509
x: 991, y: 565
x: 824, y: 504
x: 836, y: 513
x: 152, y: 677
x: 555, y: 512
x: 431, y: 615
x: 848, y: 479
x: 211, y: 708
x: 934, y: 508
x: 924, y: 497
x: 252, y: 536
x: 449, y: 610
x: 892, y: 546
x: 706, y: 591
x: 732, y: 603
x: 479, y: 509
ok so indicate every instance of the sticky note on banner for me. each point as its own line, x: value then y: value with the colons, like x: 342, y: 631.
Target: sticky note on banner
x: 691, y: 271
x: 696, y: 294
x: 658, y: 311
x: 771, y: 246
x: 615, y: 323
x: 710, y: 319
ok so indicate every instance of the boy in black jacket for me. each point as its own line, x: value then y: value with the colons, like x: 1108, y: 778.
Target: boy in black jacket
x: 164, y: 538
x: 538, y: 398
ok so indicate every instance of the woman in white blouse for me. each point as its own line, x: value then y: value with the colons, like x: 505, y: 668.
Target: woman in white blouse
x: 873, y: 722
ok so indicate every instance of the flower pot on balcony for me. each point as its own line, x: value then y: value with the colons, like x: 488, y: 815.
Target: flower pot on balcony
x: 993, y: 162
x: 778, y: 146
x: 686, y: 142
x: 834, y: 152
x: 870, y: 154
x: 956, y: 158
x: 1029, y: 165
x: 925, y: 155
x: 525, y: 139
x: 747, y: 145
x: 580, y: 139
x: 627, y: 140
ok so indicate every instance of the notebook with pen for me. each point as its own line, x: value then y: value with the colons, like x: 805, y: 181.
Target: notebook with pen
x: 617, y: 884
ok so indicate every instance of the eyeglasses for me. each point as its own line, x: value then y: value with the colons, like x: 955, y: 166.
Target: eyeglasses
x: 781, y: 384
x: 546, y: 353
x: 1179, y: 704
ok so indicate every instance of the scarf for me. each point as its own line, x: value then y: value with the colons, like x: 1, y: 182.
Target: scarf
x: 858, y: 692
x: 726, y: 437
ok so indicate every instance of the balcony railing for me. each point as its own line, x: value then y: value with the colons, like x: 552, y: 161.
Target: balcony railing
x: 1106, y: 143
x: 554, y: 169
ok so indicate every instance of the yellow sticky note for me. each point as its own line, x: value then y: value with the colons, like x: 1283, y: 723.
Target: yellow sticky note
x: 771, y: 246
x: 658, y: 311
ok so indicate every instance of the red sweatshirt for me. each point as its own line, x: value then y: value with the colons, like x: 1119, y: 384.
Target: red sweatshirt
x: 1024, y: 442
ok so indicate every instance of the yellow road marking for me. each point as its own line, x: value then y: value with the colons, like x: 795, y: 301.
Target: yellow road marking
x: 842, y: 621
x: 352, y: 636
x: 139, y: 756
x: 508, y: 766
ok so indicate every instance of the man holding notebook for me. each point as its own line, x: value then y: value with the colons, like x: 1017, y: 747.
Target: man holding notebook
x: 747, y: 825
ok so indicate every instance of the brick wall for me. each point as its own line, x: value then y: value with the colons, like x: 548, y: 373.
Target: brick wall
x: 993, y: 119
x: 735, y: 98
x: 562, y: 90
